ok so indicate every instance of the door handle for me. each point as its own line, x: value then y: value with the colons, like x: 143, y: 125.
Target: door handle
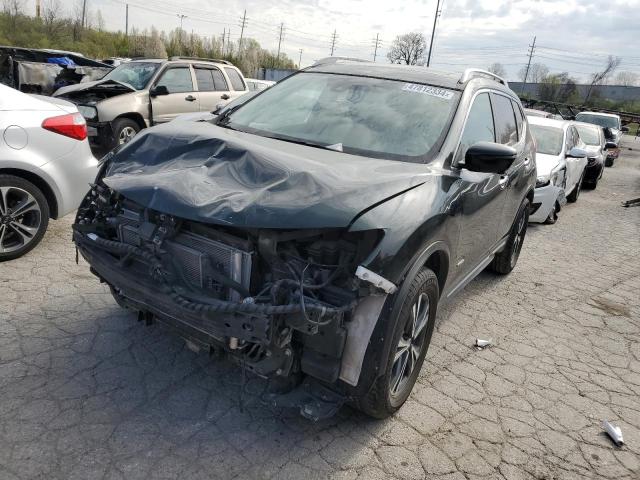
x: 504, y: 180
x: 190, y: 98
x: 224, y: 96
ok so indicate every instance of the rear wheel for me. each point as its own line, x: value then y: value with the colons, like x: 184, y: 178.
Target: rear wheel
x: 24, y: 216
x: 608, y: 162
x: 506, y: 260
x: 409, y: 339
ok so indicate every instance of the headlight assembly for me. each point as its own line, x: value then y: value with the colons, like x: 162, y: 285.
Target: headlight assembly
x: 542, y: 181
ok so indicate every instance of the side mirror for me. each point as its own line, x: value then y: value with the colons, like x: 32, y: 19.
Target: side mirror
x: 159, y: 90
x: 577, y: 152
x: 489, y: 157
x: 218, y: 108
x: 625, y: 128
x: 610, y: 146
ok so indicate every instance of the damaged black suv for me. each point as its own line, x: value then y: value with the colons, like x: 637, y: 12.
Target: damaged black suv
x: 311, y: 231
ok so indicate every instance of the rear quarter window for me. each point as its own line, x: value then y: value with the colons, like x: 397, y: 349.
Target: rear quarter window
x: 234, y: 77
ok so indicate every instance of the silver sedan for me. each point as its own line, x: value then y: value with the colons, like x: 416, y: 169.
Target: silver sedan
x: 46, y: 166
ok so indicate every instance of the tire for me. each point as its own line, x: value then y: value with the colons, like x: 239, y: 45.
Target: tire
x: 590, y: 185
x: 24, y: 216
x: 392, y: 388
x: 505, y: 261
x: 608, y: 162
x: 573, y: 196
x: 124, y: 129
x: 553, y: 215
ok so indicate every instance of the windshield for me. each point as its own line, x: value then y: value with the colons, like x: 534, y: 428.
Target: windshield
x: 365, y: 116
x: 607, y: 122
x: 548, y: 139
x: 589, y: 135
x: 136, y: 74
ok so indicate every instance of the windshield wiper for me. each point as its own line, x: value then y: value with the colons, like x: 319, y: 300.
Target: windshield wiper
x: 223, y: 117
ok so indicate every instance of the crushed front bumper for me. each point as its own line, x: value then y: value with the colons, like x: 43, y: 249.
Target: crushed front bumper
x: 544, y: 199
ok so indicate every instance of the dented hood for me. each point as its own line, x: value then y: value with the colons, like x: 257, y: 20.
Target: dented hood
x: 206, y: 173
x: 84, y: 86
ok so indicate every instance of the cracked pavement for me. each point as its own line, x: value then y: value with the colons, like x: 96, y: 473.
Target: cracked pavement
x: 87, y: 392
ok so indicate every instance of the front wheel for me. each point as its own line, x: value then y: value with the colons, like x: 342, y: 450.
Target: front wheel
x: 506, y: 260
x: 124, y: 129
x: 410, y: 336
x: 24, y: 216
x: 608, y: 162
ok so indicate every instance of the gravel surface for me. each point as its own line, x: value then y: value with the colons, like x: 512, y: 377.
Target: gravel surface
x: 87, y: 392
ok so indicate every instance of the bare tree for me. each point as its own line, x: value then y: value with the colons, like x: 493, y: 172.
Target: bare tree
x: 99, y: 21
x: 408, y: 49
x: 497, y: 69
x: 51, y: 18
x: 599, y: 77
x: 13, y: 9
x: 627, y: 79
x: 537, y: 73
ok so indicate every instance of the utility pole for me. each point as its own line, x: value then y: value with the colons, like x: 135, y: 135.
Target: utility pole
x: 244, y: 22
x: 229, y: 40
x: 84, y: 10
x: 376, y: 45
x: 280, y: 40
x: 433, y: 32
x: 334, y: 37
x: 532, y: 48
x: 37, y: 8
x: 224, y: 32
x: 300, y: 60
x: 126, y: 20
x: 181, y: 17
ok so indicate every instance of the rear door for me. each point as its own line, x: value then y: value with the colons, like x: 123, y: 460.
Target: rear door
x: 238, y: 85
x: 482, y: 196
x: 182, y: 97
x: 213, y: 87
x: 573, y: 164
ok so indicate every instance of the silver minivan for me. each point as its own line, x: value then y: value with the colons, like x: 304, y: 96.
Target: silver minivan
x: 146, y: 92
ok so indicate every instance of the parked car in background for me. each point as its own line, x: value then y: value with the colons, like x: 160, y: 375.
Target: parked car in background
x: 531, y: 112
x: 613, y: 131
x: 561, y: 158
x: 255, y: 84
x: 311, y: 232
x: 46, y: 166
x: 142, y: 93
x: 596, y: 145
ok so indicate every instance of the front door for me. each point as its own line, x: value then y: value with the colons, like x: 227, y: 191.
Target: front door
x: 182, y: 97
x: 481, y: 198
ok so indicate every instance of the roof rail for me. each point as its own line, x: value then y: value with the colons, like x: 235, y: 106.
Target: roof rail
x: 214, y: 60
x: 470, y: 73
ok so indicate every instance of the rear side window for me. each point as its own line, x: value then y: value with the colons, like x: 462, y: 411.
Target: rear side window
x: 479, y: 126
x: 177, y: 80
x: 235, y: 79
x: 519, y: 119
x: 205, y: 80
x: 219, y: 81
x: 505, y: 120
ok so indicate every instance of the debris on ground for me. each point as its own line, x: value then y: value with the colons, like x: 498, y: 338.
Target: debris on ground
x: 481, y: 344
x: 631, y: 203
x: 614, y: 432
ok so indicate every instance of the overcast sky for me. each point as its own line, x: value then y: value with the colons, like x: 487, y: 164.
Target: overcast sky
x: 572, y: 35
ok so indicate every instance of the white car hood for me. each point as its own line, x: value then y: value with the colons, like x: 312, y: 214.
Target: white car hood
x: 546, y: 163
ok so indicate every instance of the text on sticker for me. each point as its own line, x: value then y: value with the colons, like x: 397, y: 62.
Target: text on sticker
x: 428, y: 90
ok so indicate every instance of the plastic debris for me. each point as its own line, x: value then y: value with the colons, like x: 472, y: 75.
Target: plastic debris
x: 614, y: 432
x: 480, y: 343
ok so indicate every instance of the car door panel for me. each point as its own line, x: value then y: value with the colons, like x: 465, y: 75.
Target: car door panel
x: 182, y: 97
x: 213, y: 88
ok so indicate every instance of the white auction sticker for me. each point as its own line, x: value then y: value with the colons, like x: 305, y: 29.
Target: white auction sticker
x: 428, y: 90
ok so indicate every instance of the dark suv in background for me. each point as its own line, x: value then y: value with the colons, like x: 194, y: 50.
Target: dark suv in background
x: 311, y: 231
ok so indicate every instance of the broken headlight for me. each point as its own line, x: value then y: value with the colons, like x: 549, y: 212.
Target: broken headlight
x: 89, y: 113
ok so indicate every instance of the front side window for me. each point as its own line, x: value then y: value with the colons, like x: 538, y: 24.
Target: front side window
x: 589, y: 135
x: 548, y: 139
x: 235, y: 79
x: 136, y: 74
x: 177, y: 80
x: 505, y: 120
x: 365, y: 116
x: 479, y: 126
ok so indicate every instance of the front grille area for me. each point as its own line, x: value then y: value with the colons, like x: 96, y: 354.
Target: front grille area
x: 198, y: 258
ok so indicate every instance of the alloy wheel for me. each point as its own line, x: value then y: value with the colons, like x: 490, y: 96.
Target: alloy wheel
x: 410, y: 345
x: 20, y: 218
x: 126, y: 134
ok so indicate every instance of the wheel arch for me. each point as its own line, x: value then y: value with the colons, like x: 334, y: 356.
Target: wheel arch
x: 136, y: 117
x: 39, y: 182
